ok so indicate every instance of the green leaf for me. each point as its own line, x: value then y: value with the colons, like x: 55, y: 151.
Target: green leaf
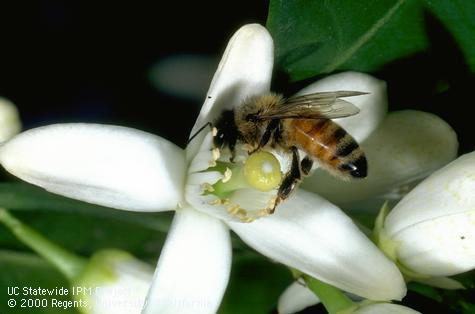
x: 427, y: 291
x: 20, y: 196
x: 467, y: 307
x: 28, y: 270
x: 458, y: 16
x: 255, y: 285
x: 85, y: 234
x: 315, y: 37
x: 82, y: 227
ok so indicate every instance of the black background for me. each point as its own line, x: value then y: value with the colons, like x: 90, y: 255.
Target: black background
x: 65, y: 61
x: 71, y: 61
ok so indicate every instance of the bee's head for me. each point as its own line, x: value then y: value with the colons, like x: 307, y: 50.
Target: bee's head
x: 227, y: 132
x: 252, y: 117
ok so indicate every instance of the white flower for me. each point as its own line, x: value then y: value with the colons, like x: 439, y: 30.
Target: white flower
x: 10, y: 123
x: 433, y: 228
x: 297, y: 297
x: 113, y: 281
x: 133, y: 170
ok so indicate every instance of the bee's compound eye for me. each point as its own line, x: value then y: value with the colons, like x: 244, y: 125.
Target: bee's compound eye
x: 262, y: 171
x: 251, y: 117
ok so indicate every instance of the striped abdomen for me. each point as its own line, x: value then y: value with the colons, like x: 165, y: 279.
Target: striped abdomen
x: 329, y: 144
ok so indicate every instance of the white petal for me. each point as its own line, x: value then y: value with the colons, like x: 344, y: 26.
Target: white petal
x: 442, y: 283
x: 373, y: 107
x: 407, y: 146
x: 435, y: 222
x: 314, y: 236
x: 194, y: 266
x: 385, y: 308
x: 245, y: 70
x: 9, y: 120
x: 107, y: 165
x: 296, y: 298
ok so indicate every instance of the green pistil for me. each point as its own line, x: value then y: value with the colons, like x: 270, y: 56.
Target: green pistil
x: 66, y: 262
x: 261, y: 171
x: 233, y: 180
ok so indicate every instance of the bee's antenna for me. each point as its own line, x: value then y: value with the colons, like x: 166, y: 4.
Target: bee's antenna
x: 198, y: 132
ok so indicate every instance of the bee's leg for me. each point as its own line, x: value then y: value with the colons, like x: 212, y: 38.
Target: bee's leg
x: 291, y: 179
x: 232, y: 149
x: 306, y: 165
x: 273, y: 125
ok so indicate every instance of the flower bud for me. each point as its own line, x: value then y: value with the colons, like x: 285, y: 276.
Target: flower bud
x: 10, y: 123
x: 434, y: 225
x: 113, y: 282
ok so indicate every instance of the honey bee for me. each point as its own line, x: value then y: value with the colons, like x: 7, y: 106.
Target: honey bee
x: 292, y: 124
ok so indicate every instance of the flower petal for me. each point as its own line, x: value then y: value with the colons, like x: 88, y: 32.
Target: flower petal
x: 314, y: 236
x: 194, y: 266
x: 245, y: 70
x: 102, y: 164
x: 296, y: 298
x: 386, y: 308
x: 442, y: 283
x: 407, y: 146
x: 10, y: 123
x: 373, y: 107
x: 435, y: 223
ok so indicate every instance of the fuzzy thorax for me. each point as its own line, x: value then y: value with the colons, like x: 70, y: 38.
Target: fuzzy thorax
x: 247, y: 115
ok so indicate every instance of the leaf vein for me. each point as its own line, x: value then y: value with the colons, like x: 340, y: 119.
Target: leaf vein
x: 363, y: 39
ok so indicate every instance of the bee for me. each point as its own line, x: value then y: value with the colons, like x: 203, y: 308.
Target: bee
x: 292, y: 124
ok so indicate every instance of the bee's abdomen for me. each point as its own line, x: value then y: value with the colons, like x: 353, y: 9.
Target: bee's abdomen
x: 330, y: 145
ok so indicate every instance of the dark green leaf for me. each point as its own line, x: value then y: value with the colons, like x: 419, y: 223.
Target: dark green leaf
x: 28, y: 270
x: 315, y: 37
x: 429, y: 292
x: 467, y: 307
x: 86, y: 234
x: 467, y: 279
x: 82, y: 227
x: 255, y: 285
x: 20, y: 196
x: 458, y: 16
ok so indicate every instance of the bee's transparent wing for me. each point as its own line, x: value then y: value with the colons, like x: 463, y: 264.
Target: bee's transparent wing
x: 324, y: 105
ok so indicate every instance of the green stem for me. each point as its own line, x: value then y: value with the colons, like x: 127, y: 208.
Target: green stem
x: 334, y: 300
x: 66, y: 262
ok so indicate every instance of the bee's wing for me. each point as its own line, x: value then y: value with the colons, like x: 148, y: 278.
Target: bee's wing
x: 324, y: 105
